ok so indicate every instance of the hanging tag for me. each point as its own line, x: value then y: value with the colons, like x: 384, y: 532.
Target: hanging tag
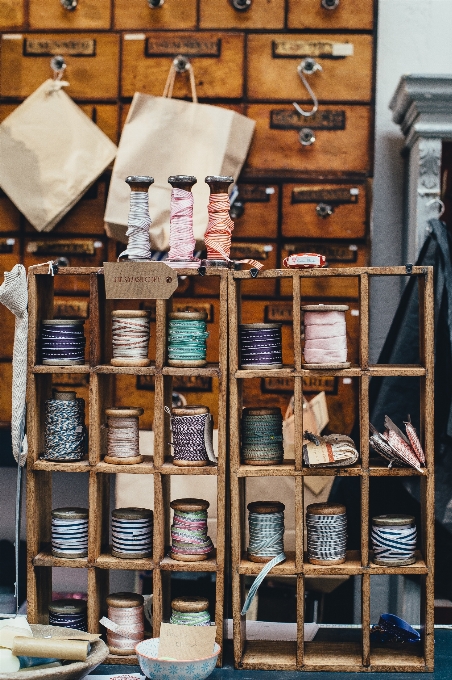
x: 208, y: 438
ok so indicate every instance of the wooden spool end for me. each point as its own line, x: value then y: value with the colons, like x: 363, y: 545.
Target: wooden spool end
x: 189, y: 558
x: 116, y: 651
x: 128, y: 556
x: 63, y: 396
x: 63, y: 322
x: 189, y: 504
x: 326, y: 509
x: 190, y: 463
x: 130, y: 314
x: 219, y: 184
x: 250, y: 461
x: 325, y: 308
x: 124, y: 411
x: 266, y: 507
x: 256, y: 558
x: 330, y: 367
x: 393, y: 520
x: 326, y: 563
x: 184, y: 182
x: 130, y: 362
x: 192, y: 605
x: 70, y: 513
x: 177, y: 363
x: 68, y: 606
x: 261, y: 411
x: 131, y: 460
x: 125, y: 600
x: 132, y: 513
x: 195, y: 410
x: 260, y: 326
x: 188, y: 315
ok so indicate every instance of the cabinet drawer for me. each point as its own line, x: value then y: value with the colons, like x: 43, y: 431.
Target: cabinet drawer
x: 260, y: 212
x: 88, y: 14
x: 263, y: 252
x: 6, y: 378
x: 217, y: 60
x: 324, y: 210
x: 347, y: 14
x: 9, y: 215
x: 273, y: 60
x: 11, y: 14
x: 342, y: 139
x: 171, y: 14
x: 260, y: 14
x: 106, y: 116
x: 92, y: 63
x: 338, y: 254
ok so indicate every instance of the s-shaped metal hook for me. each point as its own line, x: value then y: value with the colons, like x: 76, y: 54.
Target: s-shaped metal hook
x: 306, y: 67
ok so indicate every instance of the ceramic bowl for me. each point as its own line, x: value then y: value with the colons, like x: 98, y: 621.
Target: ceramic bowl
x: 159, y: 669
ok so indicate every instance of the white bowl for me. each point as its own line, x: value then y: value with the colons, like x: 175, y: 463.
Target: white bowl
x: 159, y: 669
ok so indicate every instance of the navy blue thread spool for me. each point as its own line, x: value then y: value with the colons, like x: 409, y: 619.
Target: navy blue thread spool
x: 260, y: 345
x: 64, y: 432
x: 63, y: 342
x: 131, y: 533
x: 70, y: 533
x: 394, y: 540
x: 68, y: 614
x: 262, y: 436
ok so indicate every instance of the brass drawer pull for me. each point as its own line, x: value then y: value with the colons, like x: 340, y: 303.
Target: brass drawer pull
x: 324, y: 210
x: 153, y: 4
x: 306, y: 137
x: 241, y: 5
x: 70, y: 5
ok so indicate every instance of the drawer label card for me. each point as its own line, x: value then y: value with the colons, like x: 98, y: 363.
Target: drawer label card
x: 47, y: 47
x: 162, y: 46
x: 312, y: 48
x: 254, y: 251
x: 280, y: 312
x: 57, y: 247
x: 7, y: 245
x: 71, y: 309
x: 320, y: 384
x: 254, y: 193
x: 139, y: 280
x: 289, y: 119
x: 339, y: 195
x: 184, y: 383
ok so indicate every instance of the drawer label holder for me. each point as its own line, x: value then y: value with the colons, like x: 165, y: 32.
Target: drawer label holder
x: 312, y: 48
x: 289, y: 119
x: 339, y: 195
x: 186, y: 45
x: 48, y: 47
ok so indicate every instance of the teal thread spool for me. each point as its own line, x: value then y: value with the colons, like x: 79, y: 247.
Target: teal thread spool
x: 262, y: 436
x: 187, y: 339
x: 190, y: 611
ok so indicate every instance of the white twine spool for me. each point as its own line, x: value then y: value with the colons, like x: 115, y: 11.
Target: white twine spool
x: 325, y: 334
x: 123, y: 435
x: 130, y: 338
x: 125, y: 622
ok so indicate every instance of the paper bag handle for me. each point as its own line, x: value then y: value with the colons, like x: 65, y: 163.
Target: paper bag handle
x: 180, y: 64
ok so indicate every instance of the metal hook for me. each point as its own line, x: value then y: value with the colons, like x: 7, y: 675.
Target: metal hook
x: 308, y: 66
x: 70, y: 5
x: 181, y: 63
x: 58, y: 66
x: 440, y: 203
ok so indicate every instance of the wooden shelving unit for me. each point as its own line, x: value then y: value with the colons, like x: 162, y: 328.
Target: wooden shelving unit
x: 339, y: 655
x: 161, y: 470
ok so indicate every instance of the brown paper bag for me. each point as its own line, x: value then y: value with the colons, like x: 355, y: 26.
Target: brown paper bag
x: 50, y: 154
x: 163, y: 137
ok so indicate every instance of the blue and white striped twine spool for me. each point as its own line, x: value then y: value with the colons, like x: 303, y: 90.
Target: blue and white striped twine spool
x: 394, y: 540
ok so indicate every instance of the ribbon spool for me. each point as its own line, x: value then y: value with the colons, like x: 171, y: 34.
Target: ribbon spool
x: 260, y: 345
x: 130, y: 337
x: 64, y: 428
x: 325, y: 333
x: 326, y: 525
x: 182, y: 240
x: 190, y: 611
x: 139, y: 221
x: 123, y: 439
x: 70, y: 533
x: 131, y: 533
x: 192, y: 429
x: 63, y: 342
x: 262, y: 436
x: 394, y: 540
x: 266, y: 527
x: 190, y: 542
x: 187, y: 338
x: 68, y: 614
x: 126, y: 613
x: 218, y: 234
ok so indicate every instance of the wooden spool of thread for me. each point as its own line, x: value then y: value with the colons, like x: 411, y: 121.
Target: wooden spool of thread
x: 266, y: 528
x: 262, y: 436
x: 123, y: 437
x: 325, y: 333
x: 139, y: 221
x: 189, y: 539
x: 394, y: 540
x: 64, y: 428
x: 219, y: 230
x: 130, y: 337
x: 188, y: 425
x: 70, y: 533
x: 131, y: 533
x: 260, y: 345
x: 326, y: 525
x: 69, y: 613
x: 182, y: 240
x: 63, y: 342
x: 187, y: 337
x: 190, y: 611
x: 127, y: 611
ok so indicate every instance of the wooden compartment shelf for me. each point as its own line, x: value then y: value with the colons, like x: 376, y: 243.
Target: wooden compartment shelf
x: 324, y: 653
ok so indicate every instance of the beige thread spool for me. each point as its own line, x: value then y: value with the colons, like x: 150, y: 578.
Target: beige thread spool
x: 125, y: 609
x: 117, y: 452
x: 124, y: 346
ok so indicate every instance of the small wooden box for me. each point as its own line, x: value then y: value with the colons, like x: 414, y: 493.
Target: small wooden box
x: 217, y: 60
x: 221, y: 14
x: 348, y: 14
x: 88, y: 15
x: 273, y: 59
x: 260, y: 217
x: 172, y: 14
x: 92, y: 61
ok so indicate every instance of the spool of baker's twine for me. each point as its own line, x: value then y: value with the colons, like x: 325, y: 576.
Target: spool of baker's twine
x: 326, y: 526
x: 325, y: 333
x: 125, y: 622
x: 181, y: 240
x: 189, y: 539
x: 139, y: 220
x: 131, y: 533
x: 394, y: 540
x: 123, y: 435
x: 266, y: 540
x: 70, y: 533
x: 190, y: 611
x: 69, y: 613
x: 262, y: 436
x: 130, y: 337
x: 187, y: 338
x: 64, y: 428
x: 260, y: 345
x: 192, y: 430
x: 63, y: 342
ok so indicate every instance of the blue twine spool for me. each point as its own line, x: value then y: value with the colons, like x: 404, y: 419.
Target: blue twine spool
x: 260, y: 345
x: 187, y: 339
x: 70, y: 532
x: 65, y: 434
x: 63, y: 342
x: 68, y: 614
x: 394, y: 540
x: 262, y: 436
x: 131, y: 532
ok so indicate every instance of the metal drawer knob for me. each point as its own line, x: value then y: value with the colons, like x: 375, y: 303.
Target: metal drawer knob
x: 324, y: 210
x: 70, y: 5
x: 306, y: 136
x: 330, y: 4
x: 153, y: 4
x: 241, y: 5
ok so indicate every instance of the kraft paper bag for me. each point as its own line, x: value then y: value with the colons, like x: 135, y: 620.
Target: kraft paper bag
x: 50, y: 154
x: 163, y: 137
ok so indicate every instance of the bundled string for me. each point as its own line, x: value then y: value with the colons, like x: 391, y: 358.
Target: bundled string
x: 130, y: 337
x: 139, y: 221
x: 260, y: 345
x: 64, y: 429
x: 325, y: 334
x: 192, y: 430
x: 187, y: 339
x: 326, y: 526
x: 63, y: 342
x: 125, y: 622
x: 333, y: 450
x: 262, y: 436
x: 398, y: 449
x: 123, y: 435
x: 190, y: 611
x: 70, y: 613
x: 131, y: 532
x: 182, y: 241
x: 70, y: 532
x: 394, y: 540
x: 189, y: 539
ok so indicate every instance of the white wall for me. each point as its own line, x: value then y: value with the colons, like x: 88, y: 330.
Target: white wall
x: 414, y: 36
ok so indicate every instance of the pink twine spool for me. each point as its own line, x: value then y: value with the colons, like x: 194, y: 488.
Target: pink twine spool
x: 325, y: 334
x: 182, y: 240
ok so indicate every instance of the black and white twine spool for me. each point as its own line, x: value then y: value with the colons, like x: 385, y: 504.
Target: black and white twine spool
x: 123, y: 435
x: 64, y: 429
x: 63, y: 342
x: 68, y: 614
x: 130, y: 337
x: 192, y: 430
x: 266, y: 530
x: 262, y: 436
x: 260, y: 345
x: 131, y: 532
x: 394, y: 540
x: 326, y: 526
x: 70, y: 533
